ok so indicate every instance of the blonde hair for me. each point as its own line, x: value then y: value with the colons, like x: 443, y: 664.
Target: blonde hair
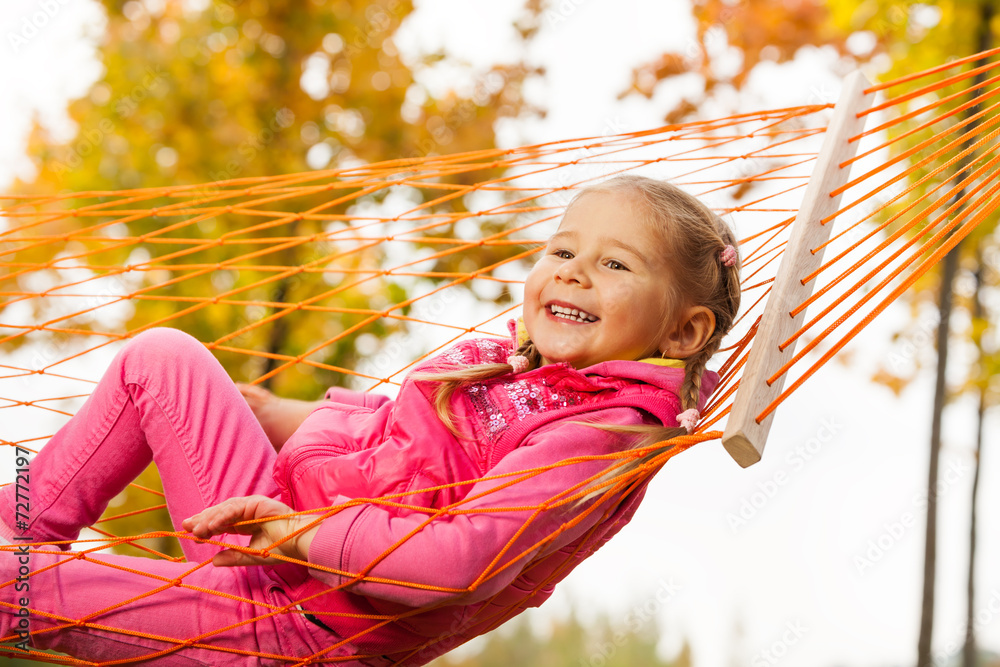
x: 687, y: 229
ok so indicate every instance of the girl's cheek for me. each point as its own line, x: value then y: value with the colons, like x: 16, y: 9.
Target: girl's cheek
x: 623, y: 292
x: 532, y: 285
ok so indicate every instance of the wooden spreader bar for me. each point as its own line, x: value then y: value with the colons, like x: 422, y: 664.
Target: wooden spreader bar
x: 745, y: 436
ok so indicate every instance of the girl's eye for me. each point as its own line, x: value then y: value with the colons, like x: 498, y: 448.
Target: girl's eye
x: 616, y: 265
x: 563, y: 253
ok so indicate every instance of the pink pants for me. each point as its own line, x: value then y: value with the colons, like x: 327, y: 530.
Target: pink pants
x: 166, y: 399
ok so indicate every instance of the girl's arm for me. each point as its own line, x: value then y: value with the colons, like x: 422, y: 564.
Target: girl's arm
x: 221, y: 518
x: 477, y: 549
x: 459, y: 557
x: 279, y: 417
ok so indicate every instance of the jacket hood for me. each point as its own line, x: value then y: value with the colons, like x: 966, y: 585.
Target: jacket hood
x: 664, y: 378
x: 619, y: 373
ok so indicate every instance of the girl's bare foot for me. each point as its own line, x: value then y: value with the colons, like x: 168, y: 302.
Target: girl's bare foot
x: 279, y: 417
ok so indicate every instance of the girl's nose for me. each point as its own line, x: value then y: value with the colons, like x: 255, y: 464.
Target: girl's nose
x: 572, y: 271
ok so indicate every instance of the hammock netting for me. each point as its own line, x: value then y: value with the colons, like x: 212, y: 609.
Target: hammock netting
x: 388, y: 263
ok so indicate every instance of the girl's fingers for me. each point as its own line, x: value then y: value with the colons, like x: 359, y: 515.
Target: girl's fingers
x: 225, y: 558
x: 220, y: 518
x: 217, y: 519
x: 234, y: 558
x: 195, y: 524
x: 248, y: 391
x: 252, y: 390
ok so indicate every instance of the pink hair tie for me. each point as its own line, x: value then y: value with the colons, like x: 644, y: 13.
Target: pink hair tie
x: 688, y: 419
x: 519, y: 362
x: 728, y: 255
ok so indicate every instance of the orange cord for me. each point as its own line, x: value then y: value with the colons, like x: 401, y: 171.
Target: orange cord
x: 514, y: 196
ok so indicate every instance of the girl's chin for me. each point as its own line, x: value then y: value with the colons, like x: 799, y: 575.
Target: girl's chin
x: 576, y: 361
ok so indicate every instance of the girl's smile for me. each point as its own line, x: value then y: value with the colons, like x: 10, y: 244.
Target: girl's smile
x: 602, y: 290
x: 567, y: 312
x: 598, y: 293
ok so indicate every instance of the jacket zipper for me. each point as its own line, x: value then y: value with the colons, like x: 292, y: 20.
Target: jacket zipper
x: 301, y: 453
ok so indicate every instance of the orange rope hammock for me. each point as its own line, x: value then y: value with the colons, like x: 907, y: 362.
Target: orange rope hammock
x: 332, y: 244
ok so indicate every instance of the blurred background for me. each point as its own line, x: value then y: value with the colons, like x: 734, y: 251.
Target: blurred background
x: 721, y: 566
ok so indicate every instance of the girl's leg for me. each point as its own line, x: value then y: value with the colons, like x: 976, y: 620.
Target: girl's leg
x: 134, y: 607
x: 164, y: 398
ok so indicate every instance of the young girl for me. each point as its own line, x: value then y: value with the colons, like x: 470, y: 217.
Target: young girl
x: 485, y: 471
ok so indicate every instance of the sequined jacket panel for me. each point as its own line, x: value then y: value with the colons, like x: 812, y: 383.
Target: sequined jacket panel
x: 362, y: 446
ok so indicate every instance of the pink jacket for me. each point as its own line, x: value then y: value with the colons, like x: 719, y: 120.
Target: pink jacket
x: 453, y: 576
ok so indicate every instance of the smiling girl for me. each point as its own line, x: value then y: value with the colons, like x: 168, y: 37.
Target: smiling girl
x: 485, y: 462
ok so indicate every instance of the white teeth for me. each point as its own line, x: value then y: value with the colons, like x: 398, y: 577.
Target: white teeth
x: 572, y: 314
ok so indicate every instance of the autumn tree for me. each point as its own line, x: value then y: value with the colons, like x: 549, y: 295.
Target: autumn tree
x: 228, y: 91
x: 917, y: 37
x: 899, y: 37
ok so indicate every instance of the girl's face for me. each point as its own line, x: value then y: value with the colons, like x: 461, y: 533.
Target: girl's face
x: 599, y: 291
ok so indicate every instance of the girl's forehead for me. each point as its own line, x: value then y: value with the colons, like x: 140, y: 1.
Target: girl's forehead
x: 605, y: 214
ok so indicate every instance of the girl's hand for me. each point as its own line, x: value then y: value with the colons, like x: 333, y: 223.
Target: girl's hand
x: 279, y: 417
x: 220, y: 518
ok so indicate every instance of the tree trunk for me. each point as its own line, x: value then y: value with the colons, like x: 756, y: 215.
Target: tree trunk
x: 948, y: 271
x: 278, y: 332
x: 279, y: 328
x: 969, y: 648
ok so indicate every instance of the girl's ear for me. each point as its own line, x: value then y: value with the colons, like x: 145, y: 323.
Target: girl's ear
x: 692, y: 329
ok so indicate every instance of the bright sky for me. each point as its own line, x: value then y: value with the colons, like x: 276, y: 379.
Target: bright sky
x: 826, y: 568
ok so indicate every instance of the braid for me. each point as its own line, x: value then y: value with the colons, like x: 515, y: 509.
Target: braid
x: 686, y: 229
x: 449, y: 381
x: 693, y: 370
x: 531, y: 353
